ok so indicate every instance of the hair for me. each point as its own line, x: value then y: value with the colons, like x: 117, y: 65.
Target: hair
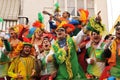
x: 107, y: 36
x: 95, y: 32
x: 12, y: 29
x: 68, y: 13
x: 118, y: 24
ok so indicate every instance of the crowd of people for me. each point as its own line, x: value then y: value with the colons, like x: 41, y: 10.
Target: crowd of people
x: 74, y: 49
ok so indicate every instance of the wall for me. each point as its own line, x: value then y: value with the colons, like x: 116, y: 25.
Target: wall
x: 32, y: 7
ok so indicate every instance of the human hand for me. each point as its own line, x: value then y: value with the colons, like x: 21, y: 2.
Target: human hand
x: 90, y: 61
x: 82, y: 45
x: 66, y: 48
x: 50, y: 58
x: 19, y: 76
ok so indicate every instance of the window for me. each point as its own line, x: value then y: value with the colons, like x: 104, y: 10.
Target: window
x: 9, y: 9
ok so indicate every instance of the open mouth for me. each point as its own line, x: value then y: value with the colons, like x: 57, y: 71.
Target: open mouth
x: 59, y: 34
x: 46, y: 45
x: 118, y: 33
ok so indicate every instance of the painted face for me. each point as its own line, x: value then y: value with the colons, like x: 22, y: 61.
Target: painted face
x: 96, y: 37
x: 46, y: 44
x: 27, y: 49
x: 118, y: 32
x: 61, y: 33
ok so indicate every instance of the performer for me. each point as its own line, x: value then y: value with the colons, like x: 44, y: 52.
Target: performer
x: 23, y: 66
x: 64, y: 53
x: 48, y: 69
x: 95, y: 55
x: 13, y: 41
x: 4, y: 58
x: 114, y: 60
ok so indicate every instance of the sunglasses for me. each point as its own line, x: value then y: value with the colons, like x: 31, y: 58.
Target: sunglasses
x: 60, y: 30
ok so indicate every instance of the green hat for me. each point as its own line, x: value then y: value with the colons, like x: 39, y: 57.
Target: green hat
x: 94, y: 26
x: 29, y: 44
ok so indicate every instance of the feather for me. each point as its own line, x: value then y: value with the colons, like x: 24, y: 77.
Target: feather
x: 57, y: 7
x: 1, y: 19
x: 40, y: 17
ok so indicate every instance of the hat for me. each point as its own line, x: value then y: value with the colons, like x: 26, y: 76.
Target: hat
x: 68, y: 27
x: 95, y: 25
x: 25, y: 43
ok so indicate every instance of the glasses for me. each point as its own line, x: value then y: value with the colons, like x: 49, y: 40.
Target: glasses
x: 60, y: 30
x: 117, y: 28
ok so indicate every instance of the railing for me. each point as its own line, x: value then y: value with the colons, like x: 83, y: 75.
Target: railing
x: 8, y: 23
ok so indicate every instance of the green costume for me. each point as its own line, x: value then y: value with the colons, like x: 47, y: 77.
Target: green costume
x: 99, y: 64
x: 68, y: 66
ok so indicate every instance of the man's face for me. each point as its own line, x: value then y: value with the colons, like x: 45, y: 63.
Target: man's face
x: 65, y: 15
x: 96, y: 37
x: 27, y: 49
x: 118, y: 32
x: 46, y: 44
x: 61, y: 33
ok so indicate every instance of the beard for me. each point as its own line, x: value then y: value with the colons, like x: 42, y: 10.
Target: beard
x: 24, y: 53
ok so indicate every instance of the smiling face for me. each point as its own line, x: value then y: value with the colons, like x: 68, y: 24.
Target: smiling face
x: 96, y: 37
x: 61, y: 33
x: 46, y: 44
x: 27, y: 49
x: 118, y: 32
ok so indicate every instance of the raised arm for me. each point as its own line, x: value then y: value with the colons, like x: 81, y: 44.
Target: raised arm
x: 79, y: 37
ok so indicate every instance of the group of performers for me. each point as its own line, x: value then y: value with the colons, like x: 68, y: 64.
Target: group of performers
x: 73, y: 49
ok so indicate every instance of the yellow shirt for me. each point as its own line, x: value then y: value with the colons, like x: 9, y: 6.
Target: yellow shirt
x: 23, y: 66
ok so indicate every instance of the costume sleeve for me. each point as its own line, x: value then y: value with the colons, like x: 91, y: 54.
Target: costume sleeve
x: 60, y: 56
x: 11, y: 69
x: 73, y: 21
x: 78, y: 38
x: 52, y: 25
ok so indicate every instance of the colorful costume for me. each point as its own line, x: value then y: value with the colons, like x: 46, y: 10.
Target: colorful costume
x: 22, y: 66
x: 68, y: 66
x: 4, y: 60
x: 115, y: 59
x: 96, y: 54
x: 47, y: 68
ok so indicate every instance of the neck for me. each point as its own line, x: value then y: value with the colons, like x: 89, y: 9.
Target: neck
x: 95, y: 43
x: 13, y: 38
